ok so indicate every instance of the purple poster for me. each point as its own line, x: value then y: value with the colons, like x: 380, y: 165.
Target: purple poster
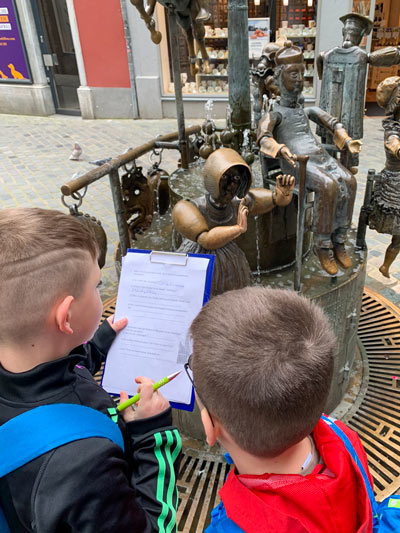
x: 14, y: 66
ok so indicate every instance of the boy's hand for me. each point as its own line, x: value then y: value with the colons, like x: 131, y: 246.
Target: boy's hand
x: 151, y: 402
x: 118, y: 325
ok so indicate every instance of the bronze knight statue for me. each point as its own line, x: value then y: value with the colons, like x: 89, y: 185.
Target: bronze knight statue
x: 343, y: 71
x: 210, y: 223
x: 284, y: 132
x: 385, y: 214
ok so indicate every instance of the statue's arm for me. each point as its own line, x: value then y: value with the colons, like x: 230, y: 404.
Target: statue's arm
x: 262, y: 201
x: 188, y: 220
x: 392, y: 143
x: 265, y: 135
x: 385, y: 57
x: 321, y: 117
x: 320, y: 64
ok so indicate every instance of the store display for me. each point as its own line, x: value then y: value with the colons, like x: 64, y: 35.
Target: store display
x: 386, y: 32
x: 297, y: 23
x: 213, y: 75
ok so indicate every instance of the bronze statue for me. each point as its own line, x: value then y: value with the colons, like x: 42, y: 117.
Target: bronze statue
x: 263, y: 78
x: 285, y: 131
x: 385, y: 213
x: 191, y: 15
x: 343, y: 71
x: 210, y: 223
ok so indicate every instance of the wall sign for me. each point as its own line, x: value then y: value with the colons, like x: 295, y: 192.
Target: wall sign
x: 259, y: 31
x: 14, y: 66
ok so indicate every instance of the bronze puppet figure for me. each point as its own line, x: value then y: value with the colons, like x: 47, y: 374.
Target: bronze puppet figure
x: 343, y: 71
x: 385, y: 213
x: 210, y: 223
x: 284, y: 132
x: 191, y: 16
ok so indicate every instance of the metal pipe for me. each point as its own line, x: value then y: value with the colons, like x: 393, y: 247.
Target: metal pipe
x: 176, y: 69
x: 123, y: 230
x: 128, y: 40
x: 364, y: 211
x: 301, y: 210
x: 238, y: 66
x: 95, y: 174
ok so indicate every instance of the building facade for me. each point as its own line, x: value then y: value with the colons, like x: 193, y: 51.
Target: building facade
x: 95, y: 58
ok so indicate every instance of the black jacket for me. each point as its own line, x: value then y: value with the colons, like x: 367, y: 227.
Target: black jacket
x: 88, y: 485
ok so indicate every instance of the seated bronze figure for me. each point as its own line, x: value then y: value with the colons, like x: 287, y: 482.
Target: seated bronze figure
x: 284, y: 131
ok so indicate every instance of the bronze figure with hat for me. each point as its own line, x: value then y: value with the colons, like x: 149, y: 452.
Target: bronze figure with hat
x: 385, y: 212
x: 343, y: 71
x: 210, y: 224
x: 284, y: 132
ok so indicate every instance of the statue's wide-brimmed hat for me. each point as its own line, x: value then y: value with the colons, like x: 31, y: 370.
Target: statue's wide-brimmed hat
x: 385, y: 90
x: 365, y: 22
x: 288, y: 54
x: 220, y: 162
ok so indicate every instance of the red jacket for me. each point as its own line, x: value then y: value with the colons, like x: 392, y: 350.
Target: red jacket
x: 334, y: 501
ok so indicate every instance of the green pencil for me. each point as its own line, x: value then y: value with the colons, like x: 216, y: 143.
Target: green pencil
x: 156, y: 386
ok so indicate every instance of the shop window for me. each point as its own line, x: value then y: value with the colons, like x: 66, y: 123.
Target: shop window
x: 296, y: 21
x: 386, y: 32
x: 292, y: 19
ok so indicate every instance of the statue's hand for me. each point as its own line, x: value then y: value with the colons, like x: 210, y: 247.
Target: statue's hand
x: 287, y: 154
x: 354, y: 146
x: 242, y: 216
x: 285, y: 184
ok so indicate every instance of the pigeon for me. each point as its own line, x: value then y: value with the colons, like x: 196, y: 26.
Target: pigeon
x: 76, y: 152
x: 100, y: 162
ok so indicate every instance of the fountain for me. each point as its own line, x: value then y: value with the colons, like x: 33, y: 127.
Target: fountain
x: 269, y: 244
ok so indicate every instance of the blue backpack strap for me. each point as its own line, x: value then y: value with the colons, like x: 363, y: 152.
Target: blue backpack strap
x: 48, y: 427
x: 220, y: 523
x: 356, y: 459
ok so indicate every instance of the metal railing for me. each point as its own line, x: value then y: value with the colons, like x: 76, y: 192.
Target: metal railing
x: 111, y: 169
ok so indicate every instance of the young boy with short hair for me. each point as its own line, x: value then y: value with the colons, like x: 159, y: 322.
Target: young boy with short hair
x: 262, y: 366
x: 50, y: 304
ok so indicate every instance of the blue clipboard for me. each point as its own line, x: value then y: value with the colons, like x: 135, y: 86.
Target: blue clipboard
x: 207, y: 292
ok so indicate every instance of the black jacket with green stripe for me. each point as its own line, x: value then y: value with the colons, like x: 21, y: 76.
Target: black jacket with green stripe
x: 89, y: 485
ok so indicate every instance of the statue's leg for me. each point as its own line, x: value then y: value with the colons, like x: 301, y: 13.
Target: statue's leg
x: 390, y: 255
x: 326, y: 193
x: 344, y: 212
x: 192, y: 53
x: 199, y: 34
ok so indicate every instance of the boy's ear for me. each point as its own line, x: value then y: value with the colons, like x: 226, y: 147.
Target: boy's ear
x: 63, y: 315
x: 210, y: 429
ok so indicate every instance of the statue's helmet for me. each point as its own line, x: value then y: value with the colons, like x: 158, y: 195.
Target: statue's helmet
x: 362, y: 21
x: 289, y: 54
x: 217, y: 164
x: 385, y: 90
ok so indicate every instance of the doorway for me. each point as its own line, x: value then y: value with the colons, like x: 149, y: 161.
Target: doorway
x: 55, y: 37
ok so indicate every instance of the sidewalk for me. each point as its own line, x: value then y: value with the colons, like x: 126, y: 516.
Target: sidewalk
x: 34, y: 163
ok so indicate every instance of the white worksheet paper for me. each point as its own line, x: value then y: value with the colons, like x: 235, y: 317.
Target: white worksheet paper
x: 160, y: 300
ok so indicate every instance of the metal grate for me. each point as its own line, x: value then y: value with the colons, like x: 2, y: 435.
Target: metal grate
x: 375, y: 416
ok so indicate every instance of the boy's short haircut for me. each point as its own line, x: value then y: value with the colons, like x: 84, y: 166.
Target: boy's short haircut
x: 262, y: 365
x: 44, y: 256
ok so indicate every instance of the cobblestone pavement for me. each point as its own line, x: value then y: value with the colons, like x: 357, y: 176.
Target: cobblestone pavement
x: 34, y: 163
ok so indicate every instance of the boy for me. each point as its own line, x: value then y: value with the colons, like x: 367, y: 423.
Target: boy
x: 262, y: 366
x: 49, y: 304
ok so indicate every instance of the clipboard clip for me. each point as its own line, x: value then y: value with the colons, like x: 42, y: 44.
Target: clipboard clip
x: 169, y: 258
